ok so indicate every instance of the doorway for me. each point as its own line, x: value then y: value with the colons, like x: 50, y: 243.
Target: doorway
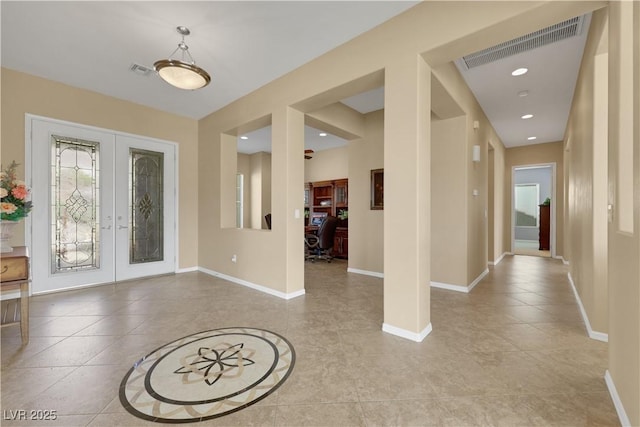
x: 105, y: 205
x: 533, y: 210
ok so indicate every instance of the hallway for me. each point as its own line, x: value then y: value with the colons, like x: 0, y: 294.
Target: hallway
x: 512, y: 352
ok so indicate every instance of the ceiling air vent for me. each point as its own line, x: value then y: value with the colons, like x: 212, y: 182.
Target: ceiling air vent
x: 140, y: 69
x: 563, y: 30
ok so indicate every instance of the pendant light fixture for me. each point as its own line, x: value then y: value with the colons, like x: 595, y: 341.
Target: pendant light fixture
x: 179, y: 72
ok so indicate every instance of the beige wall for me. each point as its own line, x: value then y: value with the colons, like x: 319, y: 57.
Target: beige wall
x: 244, y: 167
x: 534, y: 155
x: 497, y: 200
x: 449, y: 201
x: 256, y: 169
x: 23, y: 93
x: 327, y: 165
x: 366, y: 226
x: 476, y: 174
x: 624, y: 246
x: 586, y: 158
x: 260, y: 177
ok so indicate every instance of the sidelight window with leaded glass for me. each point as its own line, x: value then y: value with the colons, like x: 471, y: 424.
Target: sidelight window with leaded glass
x: 146, y: 238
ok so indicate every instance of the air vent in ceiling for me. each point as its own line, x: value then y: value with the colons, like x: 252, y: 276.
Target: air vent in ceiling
x: 563, y: 30
x: 140, y: 69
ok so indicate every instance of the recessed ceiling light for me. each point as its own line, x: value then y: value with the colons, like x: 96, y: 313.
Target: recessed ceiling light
x: 519, y: 71
x: 322, y: 134
x: 527, y: 116
x: 244, y: 137
x: 531, y: 138
x: 523, y: 93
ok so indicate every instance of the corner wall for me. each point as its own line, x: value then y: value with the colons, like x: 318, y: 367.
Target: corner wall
x: 366, y: 226
x: 476, y: 174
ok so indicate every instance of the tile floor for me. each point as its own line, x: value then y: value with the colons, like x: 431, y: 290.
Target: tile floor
x: 529, y: 247
x: 513, y: 352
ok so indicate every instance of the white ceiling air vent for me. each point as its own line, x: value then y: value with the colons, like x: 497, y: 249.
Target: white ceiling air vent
x: 140, y: 69
x: 563, y: 30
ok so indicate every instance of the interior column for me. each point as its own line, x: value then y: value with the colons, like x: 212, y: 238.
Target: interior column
x: 287, y: 193
x: 407, y: 239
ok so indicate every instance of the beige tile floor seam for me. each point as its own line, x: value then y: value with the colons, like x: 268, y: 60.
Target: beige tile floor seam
x: 514, y: 351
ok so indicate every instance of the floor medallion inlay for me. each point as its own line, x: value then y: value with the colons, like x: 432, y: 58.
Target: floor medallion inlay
x: 207, y: 375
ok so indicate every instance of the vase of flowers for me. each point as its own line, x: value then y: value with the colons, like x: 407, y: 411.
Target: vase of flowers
x: 13, y: 206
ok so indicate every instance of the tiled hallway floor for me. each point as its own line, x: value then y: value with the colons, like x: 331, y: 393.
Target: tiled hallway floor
x: 512, y: 352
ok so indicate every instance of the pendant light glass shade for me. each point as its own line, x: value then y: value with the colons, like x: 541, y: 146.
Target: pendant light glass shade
x: 180, y: 73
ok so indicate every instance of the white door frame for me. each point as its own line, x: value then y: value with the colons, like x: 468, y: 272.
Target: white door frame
x: 554, y: 204
x: 29, y: 118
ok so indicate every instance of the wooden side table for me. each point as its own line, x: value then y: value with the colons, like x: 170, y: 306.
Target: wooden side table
x: 14, y: 274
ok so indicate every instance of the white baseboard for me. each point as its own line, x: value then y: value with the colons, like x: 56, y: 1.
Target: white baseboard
x: 403, y: 333
x: 600, y: 336
x: 186, y: 270
x: 460, y: 288
x: 251, y: 285
x: 561, y: 258
x: 496, y: 262
x: 365, y: 272
x: 622, y: 414
x: 450, y: 287
x: 478, y: 279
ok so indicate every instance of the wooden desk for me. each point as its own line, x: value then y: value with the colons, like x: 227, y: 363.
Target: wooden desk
x: 14, y: 274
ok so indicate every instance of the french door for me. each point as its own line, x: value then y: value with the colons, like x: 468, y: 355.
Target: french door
x: 104, y: 206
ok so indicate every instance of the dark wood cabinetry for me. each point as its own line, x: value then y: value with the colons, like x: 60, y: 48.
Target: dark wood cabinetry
x: 545, y: 227
x: 332, y: 198
x: 341, y: 243
x: 322, y: 197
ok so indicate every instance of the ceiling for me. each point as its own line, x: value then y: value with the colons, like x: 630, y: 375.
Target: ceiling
x: 246, y: 44
x: 549, y: 85
x: 242, y: 44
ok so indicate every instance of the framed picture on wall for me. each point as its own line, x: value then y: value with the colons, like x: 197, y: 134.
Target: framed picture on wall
x: 377, y: 189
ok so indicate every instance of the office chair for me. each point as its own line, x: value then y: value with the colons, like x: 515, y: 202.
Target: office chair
x: 319, y: 246
x: 267, y: 218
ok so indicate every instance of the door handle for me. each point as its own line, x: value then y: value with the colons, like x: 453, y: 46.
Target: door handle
x: 120, y: 227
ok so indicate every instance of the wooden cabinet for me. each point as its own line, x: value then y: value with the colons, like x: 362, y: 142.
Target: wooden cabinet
x: 330, y: 197
x: 14, y: 275
x: 341, y: 243
x: 545, y: 227
x: 322, y: 197
x: 341, y: 193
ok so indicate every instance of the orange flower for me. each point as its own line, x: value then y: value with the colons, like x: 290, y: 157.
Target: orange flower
x: 20, y: 192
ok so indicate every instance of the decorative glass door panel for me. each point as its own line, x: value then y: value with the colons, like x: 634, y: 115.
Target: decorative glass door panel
x: 75, y: 195
x: 147, y: 218
x: 104, y: 206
